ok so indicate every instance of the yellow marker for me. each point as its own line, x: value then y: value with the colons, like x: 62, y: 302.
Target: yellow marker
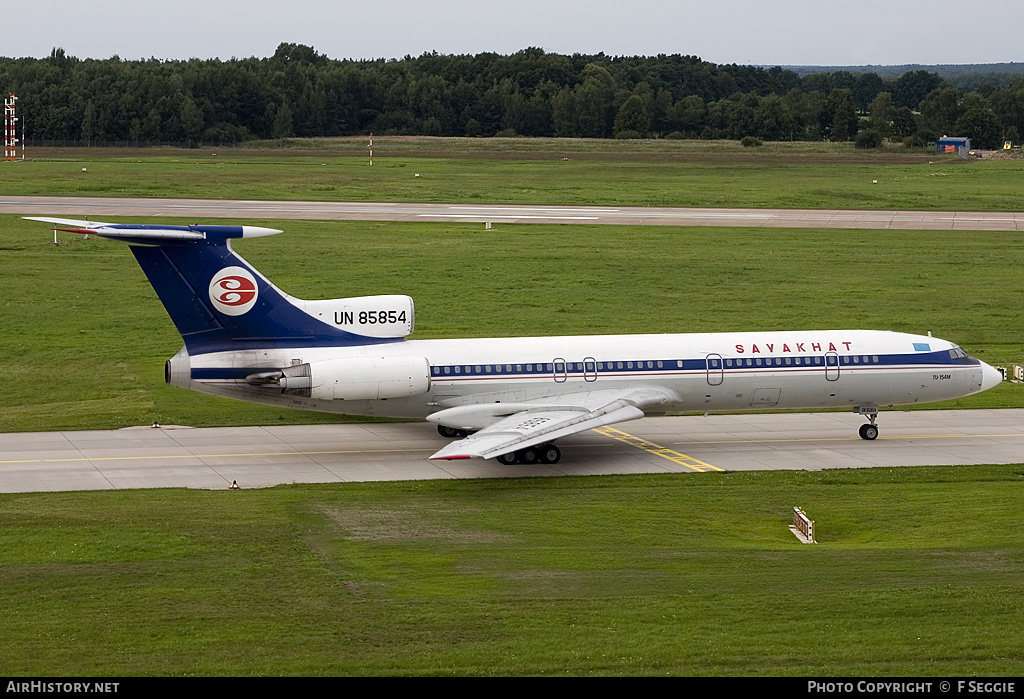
x: 657, y: 450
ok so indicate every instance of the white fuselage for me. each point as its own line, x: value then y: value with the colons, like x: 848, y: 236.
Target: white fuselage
x: 713, y: 371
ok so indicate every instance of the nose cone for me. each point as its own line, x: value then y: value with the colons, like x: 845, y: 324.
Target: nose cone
x: 990, y: 377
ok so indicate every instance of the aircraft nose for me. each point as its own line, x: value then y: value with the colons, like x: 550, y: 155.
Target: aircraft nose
x: 990, y: 377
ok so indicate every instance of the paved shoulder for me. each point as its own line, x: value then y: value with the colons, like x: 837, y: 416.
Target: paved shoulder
x: 484, y: 213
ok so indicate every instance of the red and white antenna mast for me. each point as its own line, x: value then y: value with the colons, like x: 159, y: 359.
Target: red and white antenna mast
x: 10, y: 129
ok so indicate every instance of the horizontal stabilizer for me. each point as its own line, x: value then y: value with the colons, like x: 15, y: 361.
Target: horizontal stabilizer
x: 67, y: 221
x: 137, y: 232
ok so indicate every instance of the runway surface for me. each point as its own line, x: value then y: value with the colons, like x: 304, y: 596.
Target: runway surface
x: 197, y: 209
x: 211, y: 458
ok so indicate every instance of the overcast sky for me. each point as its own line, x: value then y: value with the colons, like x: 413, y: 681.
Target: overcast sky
x: 755, y: 32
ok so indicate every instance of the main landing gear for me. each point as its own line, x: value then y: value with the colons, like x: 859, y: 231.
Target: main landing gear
x: 542, y: 454
x: 870, y: 430
x: 451, y: 432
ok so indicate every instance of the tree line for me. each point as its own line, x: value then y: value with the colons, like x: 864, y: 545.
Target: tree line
x: 299, y: 92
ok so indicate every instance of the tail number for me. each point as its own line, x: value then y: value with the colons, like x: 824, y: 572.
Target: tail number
x: 369, y: 317
x: 384, y: 316
x: 381, y: 317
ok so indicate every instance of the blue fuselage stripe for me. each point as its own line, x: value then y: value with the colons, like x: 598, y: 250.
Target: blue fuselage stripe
x: 649, y: 368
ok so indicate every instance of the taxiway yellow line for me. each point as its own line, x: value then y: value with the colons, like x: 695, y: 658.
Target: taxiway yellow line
x: 656, y: 449
x: 855, y: 439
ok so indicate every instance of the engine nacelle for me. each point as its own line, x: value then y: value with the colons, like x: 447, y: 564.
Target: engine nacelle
x: 360, y: 378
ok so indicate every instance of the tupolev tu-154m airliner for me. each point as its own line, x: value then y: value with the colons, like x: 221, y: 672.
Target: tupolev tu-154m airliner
x: 503, y: 398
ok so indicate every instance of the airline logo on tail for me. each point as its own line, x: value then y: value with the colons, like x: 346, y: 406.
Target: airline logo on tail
x: 233, y: 291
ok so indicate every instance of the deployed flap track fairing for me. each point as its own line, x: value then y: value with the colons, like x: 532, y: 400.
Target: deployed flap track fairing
x: 507, y: 398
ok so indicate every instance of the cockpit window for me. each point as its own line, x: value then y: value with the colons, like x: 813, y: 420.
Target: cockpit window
x: 957, y: 353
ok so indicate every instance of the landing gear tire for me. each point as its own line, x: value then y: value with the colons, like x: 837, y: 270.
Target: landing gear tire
x: 528, y: 456
x: 868, y: 432
x: 549, y: 454
x: 545, y: 454
x: 450, y: 432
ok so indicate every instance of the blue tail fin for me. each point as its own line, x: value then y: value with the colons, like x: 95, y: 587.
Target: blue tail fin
x: 219, y: 302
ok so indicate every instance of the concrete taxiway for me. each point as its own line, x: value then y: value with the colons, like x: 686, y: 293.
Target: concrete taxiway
x: 197, y: 209
x: 212, y: 458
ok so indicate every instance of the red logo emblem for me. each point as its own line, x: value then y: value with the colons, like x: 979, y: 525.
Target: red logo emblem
x: 236, y: 291
x: 233, y: 291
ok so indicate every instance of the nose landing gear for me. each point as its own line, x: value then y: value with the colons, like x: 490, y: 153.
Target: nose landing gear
x: 870, y: 430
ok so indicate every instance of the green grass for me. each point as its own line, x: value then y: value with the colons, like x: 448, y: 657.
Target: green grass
x: 454, y: 170
x: 84, y: 337
x: 918, y: 572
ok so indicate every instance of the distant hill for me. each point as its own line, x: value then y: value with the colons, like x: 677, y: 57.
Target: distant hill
x: 946, y: 71
x: 967, y: 77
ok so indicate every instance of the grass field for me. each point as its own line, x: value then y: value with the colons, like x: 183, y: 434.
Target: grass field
x: 918, y: 572
x: 538, y: 171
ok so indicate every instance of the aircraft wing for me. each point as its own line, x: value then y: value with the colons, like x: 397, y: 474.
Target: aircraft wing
x: 541, y: 423
x: 144, y: 234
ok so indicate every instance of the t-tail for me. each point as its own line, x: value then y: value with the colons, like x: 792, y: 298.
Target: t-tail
x: 219, y: 302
